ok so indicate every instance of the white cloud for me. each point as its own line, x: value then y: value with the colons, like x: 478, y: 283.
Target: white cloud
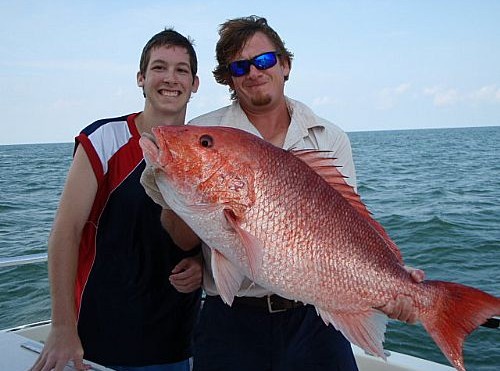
x: 323, y: 101
x: 450, y: 96
x: 489, y: 93
x: 387, y: 97
x: 442, y: 97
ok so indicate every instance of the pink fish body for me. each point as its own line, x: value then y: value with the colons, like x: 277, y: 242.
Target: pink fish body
x: 290, y: 223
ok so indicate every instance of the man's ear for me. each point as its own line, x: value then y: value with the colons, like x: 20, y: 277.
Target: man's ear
x: 140, y: 79
x: 287, y: 67
x: 196, y: 84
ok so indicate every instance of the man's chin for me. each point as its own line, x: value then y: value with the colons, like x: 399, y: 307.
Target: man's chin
x: 261, y: 100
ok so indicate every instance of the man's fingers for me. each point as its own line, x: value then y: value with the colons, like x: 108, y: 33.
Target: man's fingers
x: 185, y: 287
x: 400, y: 308
x: 184, y: 265
x: 79, y: 365
x: 180, y: 267
x: 183, y: 275
x: 417, y: 275
x: 38, y: 364
x: 186, y: 275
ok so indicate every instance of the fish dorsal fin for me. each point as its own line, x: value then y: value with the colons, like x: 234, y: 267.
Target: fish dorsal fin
x: 326, y: 168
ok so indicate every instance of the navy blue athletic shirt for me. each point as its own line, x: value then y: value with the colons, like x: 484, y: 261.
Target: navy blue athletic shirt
x: 128, y: 312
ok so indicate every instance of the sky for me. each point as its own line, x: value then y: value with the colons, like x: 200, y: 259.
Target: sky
x: 364, y: 65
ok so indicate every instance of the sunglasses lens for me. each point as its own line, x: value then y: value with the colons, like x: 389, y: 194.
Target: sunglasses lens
x: 265, y: 61
x: 261, y: 62
x: 239, y: 68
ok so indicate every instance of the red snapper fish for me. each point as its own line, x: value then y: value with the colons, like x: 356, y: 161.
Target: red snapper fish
x: 290, y: 222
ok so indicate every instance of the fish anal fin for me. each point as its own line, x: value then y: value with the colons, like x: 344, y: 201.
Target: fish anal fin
x: 325, y: 167
x: 227, y: 277
x: 254, y: 248
x: 365, y: 329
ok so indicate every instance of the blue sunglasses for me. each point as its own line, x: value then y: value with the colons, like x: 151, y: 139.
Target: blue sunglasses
x: 261, y: 62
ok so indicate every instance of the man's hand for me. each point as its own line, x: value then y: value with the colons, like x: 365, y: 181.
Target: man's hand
x: 63, y: 345
x: 402, y: 307
x: 186, y: 276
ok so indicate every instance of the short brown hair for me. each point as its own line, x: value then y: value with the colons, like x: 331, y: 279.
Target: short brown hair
x: 169, y: 37
x: 234, y: 33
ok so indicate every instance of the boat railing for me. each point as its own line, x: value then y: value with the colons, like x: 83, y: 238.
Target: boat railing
x: 21, y: 260
x: 15, y: 261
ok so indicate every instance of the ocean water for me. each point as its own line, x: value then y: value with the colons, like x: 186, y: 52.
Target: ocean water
x: 436, y: 191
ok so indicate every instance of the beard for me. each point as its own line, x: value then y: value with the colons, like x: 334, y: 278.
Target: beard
x: 261, y: 99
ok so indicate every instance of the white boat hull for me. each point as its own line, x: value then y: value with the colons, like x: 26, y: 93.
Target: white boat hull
x: 19, y: 349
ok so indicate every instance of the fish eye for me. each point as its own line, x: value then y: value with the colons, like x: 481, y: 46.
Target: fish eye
x: 206, y: 141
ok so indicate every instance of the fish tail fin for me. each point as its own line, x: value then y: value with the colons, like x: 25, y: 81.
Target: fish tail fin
x: 455, y: 312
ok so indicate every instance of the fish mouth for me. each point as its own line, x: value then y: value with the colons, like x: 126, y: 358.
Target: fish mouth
x: 149, y: 147
x: 165, y: 153
x: 151, y: 137
x: 153, y: 153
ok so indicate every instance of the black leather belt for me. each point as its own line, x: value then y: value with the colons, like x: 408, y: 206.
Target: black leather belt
x: 270, y: 303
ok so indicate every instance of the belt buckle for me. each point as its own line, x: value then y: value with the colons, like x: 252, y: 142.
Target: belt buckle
x: 270, y: 306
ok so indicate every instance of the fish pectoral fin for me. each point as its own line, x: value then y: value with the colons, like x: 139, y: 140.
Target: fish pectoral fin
x: 254, y: 248
x: 227, y: 277
x: 365, y: 329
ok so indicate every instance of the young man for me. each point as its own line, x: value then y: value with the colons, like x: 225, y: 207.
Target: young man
x: 125, y: 293
x: 262, y: 331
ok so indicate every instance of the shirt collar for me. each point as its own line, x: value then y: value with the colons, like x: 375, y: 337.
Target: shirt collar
x: 235, y: 117
x: 302, y: 119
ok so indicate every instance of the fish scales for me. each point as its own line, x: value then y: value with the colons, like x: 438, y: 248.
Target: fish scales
x: 297, y: 235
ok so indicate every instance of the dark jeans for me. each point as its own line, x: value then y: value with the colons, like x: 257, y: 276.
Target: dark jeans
x: 246, y: 338
x: 179, y: 366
